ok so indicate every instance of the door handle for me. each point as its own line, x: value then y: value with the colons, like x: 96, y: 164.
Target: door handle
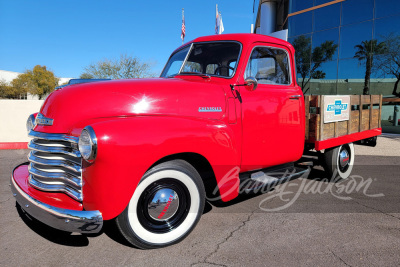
x: 295, y: 97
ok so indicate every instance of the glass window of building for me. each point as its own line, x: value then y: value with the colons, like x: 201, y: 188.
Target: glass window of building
x: 326, y: 70
x: 353, y: 35
x: 323, y: 77
x: 386, y: 26
x: 302, y: 46
x: 320, y: 2
x: 269, y: 66
x: 384, y: 8
x: 327, y: 17
x: 300, y: 24
x: 354, y: 11
x: 320, y: 38
x: 351, y: 75
x: 296, y: 5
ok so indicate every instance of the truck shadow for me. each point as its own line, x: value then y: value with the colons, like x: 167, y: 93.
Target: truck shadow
x: 66, y: 238
x: 51, y: 234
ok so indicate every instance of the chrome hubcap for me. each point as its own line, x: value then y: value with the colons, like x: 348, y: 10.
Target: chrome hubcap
x: 344, y: 158
x: 163, y: 205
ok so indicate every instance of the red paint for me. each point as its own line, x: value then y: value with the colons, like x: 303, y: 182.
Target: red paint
x: 13, y: 145
x: 140, y: 121
x: 350, y: 138
x: 166, y: 207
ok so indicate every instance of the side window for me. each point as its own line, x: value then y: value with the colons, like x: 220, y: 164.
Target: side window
x: 211, y: 68
x: 232, y: 66
x: 269, y: 66
x: 191, y: 67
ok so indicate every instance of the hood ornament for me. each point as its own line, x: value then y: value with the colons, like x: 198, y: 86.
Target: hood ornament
x: 42, y: 120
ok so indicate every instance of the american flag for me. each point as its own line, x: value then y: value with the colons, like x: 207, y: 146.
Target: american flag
x: 183, y: 33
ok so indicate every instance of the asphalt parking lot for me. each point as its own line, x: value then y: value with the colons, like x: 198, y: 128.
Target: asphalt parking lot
x: 304, y: 222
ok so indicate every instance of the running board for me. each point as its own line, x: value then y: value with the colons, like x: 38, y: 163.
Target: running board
x: 265, y: 180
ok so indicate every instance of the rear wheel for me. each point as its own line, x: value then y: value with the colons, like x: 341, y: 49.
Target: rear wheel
x: 339, y: 161
x: 166, y: 206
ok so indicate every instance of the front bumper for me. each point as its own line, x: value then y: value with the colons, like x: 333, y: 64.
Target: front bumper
x: 80, y: 221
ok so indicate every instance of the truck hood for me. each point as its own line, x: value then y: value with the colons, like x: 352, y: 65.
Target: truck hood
x: 73, y: 107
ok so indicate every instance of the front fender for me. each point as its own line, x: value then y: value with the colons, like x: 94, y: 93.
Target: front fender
x: 128, y: 147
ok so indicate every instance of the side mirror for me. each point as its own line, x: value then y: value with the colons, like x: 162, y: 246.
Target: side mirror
x: 251, y: 83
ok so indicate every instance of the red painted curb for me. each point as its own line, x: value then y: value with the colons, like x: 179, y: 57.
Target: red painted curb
x: 14, y: 145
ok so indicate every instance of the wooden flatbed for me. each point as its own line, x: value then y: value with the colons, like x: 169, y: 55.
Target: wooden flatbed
x: 364, y: 121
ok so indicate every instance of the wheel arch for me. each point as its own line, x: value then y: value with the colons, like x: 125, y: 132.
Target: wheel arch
x: 202, y: 166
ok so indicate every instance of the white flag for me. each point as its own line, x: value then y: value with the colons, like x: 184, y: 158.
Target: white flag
x: 220, y: 24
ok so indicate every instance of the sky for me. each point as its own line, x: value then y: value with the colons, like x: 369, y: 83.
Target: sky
x: 67, y: 36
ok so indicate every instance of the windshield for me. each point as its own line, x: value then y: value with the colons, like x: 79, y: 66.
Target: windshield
x: 214, y: 59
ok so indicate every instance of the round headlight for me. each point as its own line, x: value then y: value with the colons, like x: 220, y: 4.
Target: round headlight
x: 88, y: 144
x: 30, y: 123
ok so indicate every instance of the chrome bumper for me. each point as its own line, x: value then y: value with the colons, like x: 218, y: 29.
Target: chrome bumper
x: 62, y: 219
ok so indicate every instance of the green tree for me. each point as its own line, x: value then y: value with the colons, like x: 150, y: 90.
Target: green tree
x: 309, y: 60
x: 21, y: 84
x: 388, y: 63
x: 38, y: 81
x: 15, y: 90
x: 43, y: 81
x: 6, y: 91
x: 365, y: 54
x: 86, y: 76
x: 125, y: 67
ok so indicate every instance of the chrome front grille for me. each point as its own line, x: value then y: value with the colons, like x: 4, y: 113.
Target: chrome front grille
x: 55, y: 164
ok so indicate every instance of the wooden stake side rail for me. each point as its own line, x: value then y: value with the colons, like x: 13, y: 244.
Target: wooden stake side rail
x: 365, y: 114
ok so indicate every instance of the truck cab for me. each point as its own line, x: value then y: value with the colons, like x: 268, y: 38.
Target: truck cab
x: 148, y: 153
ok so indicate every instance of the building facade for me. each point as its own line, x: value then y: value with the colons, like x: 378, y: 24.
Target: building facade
x: 342, y: 46
x: 353, y: 32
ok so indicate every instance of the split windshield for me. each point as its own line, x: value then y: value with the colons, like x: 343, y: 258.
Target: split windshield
x: 211, y: 58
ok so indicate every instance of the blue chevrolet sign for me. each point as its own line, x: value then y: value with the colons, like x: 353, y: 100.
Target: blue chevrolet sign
x: 337, y: 107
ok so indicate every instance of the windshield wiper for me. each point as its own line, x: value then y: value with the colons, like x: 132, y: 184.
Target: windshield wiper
x: 196, y: 73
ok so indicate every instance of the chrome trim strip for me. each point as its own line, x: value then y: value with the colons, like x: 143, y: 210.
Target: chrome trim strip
x: 51, y: 136
x: 184, y: 61
x: 80, y: 221
x: 61, y: 187
x: 173, y: 53
x: 55, y: 176
x: 53, y: 149
x: 32, y: 157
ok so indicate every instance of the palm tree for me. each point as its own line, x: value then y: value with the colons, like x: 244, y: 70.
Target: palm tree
x: 366, y: 51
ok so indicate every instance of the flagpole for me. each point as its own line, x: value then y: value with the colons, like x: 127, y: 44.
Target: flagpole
x: 182, y: 21
x: 216, y: 18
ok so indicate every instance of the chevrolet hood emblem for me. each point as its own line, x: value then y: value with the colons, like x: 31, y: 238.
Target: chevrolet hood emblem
x: 42, y: 120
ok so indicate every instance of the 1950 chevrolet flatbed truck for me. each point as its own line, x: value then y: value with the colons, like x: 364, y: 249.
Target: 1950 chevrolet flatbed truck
x: 147, y: 152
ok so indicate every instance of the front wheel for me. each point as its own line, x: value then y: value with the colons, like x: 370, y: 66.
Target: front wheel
x: 339, y: 161
x: 166, y: 206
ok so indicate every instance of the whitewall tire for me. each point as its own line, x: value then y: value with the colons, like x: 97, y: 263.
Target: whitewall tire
x: 339, y: 161
x: 165, y: 207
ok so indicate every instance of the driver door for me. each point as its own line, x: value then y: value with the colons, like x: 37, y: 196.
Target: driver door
x: 273, y: 114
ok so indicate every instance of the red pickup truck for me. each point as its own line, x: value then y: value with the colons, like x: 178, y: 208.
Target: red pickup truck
x: 226, y: 112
